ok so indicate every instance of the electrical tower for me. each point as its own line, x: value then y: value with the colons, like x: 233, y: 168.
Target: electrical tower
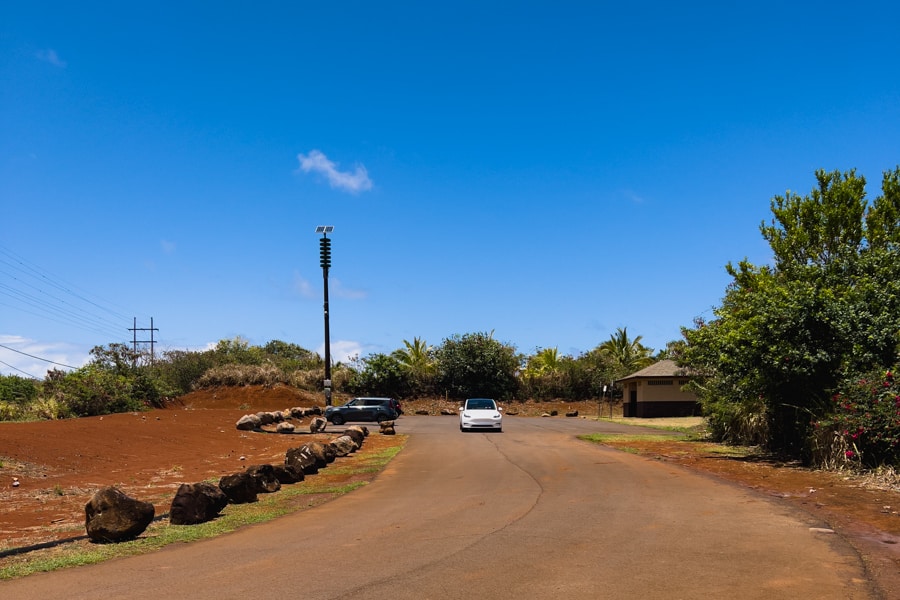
x: 134, y: 342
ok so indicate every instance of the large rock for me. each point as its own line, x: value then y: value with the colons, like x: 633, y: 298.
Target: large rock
x: 387, y: 428
x: 317, y: 425
x: 113, y: 516
x: 344, y: 445
x: 248, y: 423
x: 324, y: 453
x: 287, y: 474
x: 357, y: 434
x: 264, y: 476
x: 266, y: 418
x: 197, y: 503
x: 284, y: 427
x: 239, y: 487
x: 301, y: 459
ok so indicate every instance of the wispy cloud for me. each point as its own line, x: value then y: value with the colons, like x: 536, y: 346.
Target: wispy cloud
x: 632, y: 196
x: 168, y: 247
x: 23, y: 356
x: 317, y: 162
x: 342, y: 350
x: 302, y: 286
x: 49, y: 55
x: 339, y: 291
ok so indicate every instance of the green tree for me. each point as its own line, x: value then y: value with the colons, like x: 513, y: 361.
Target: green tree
x: 379, y: 375
x: 476, y: 365
x: 787, y: 335
x: 544, y: 375
x: 417, y: 360
x: 626, y: 355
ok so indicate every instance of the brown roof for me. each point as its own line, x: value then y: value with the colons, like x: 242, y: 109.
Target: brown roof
x: 663, y: 368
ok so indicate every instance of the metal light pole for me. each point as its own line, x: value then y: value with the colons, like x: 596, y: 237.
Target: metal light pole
x: 325, y: 261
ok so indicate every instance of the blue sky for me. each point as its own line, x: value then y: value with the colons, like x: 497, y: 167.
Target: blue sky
x: 546, y: 171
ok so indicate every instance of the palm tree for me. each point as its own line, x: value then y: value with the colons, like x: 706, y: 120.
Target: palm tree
x: 545, y: 362
x: 417, y: 359
x: 626, y: 356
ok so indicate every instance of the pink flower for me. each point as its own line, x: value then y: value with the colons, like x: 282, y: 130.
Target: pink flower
x: 849, y: 453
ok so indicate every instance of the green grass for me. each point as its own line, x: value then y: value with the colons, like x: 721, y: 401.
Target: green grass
x: 314, y: 490
x: 602, y: 438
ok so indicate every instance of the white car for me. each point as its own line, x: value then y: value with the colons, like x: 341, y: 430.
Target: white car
x: 480, y: 413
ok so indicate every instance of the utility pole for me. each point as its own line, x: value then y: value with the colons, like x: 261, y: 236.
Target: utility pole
x: 134, y: 341
x: 325, y: 262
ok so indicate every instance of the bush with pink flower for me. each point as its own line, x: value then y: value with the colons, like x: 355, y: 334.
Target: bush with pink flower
x: 866, y: 416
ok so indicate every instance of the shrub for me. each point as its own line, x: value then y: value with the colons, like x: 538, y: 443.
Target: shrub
x: 867, y: 417
x: 91, y: 391
x: 17, y: 390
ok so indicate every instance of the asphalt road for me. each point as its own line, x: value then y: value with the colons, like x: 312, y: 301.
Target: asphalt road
x: 528, y: 513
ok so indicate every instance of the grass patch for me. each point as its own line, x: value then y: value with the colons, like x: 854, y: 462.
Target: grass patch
x: 339, y: 478
x: 606, y: 438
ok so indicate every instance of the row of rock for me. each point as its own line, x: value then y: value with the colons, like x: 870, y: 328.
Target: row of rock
x: 282, y: 419
x: 113, y: 516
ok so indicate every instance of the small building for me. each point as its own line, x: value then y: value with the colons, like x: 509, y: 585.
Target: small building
x: 656, y: 391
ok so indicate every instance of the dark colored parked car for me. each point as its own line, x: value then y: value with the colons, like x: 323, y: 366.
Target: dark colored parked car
x: 363, y: 409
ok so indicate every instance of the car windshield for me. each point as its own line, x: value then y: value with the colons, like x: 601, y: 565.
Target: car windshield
x: 480, y: 404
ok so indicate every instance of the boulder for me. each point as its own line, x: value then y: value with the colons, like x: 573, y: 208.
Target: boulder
x: 265, y: 418
x: 301, y: 459
x: 361, y: 428
x: 357, y: 435
x: 344, y: 445
x: 239, y: 487
x: 387, y: 428
x: 572, y: 413
x: 447, y: 412
x: 284, y: 427
x: 113, y: 516
x: 248, y: 423
x: 324, y: 453
x: 317, y: 425
x: 264, y: 476
x: 287, y: 474
x: 196, y: 503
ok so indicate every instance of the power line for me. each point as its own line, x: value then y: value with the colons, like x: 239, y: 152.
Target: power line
x: 19, y: 370
x: 36, y: 357
x: 66, y: 306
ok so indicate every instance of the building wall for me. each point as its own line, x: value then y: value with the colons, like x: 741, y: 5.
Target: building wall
x: 659, y: 397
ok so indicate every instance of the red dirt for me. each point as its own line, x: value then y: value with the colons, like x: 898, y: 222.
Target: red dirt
x: 59, y: 465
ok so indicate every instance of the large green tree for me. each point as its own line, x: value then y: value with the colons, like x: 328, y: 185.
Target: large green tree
x: 476, y: 365
x: 787, y: 334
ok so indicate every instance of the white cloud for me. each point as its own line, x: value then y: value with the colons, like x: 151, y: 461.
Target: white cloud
x: 302, y: 286
x: 339, y: 291
x: 168, y: 247
x: 23, y: 356
x: 354, y: 182
x: 632, y: 196
x: 49, y: 55
x: 342, y: 350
